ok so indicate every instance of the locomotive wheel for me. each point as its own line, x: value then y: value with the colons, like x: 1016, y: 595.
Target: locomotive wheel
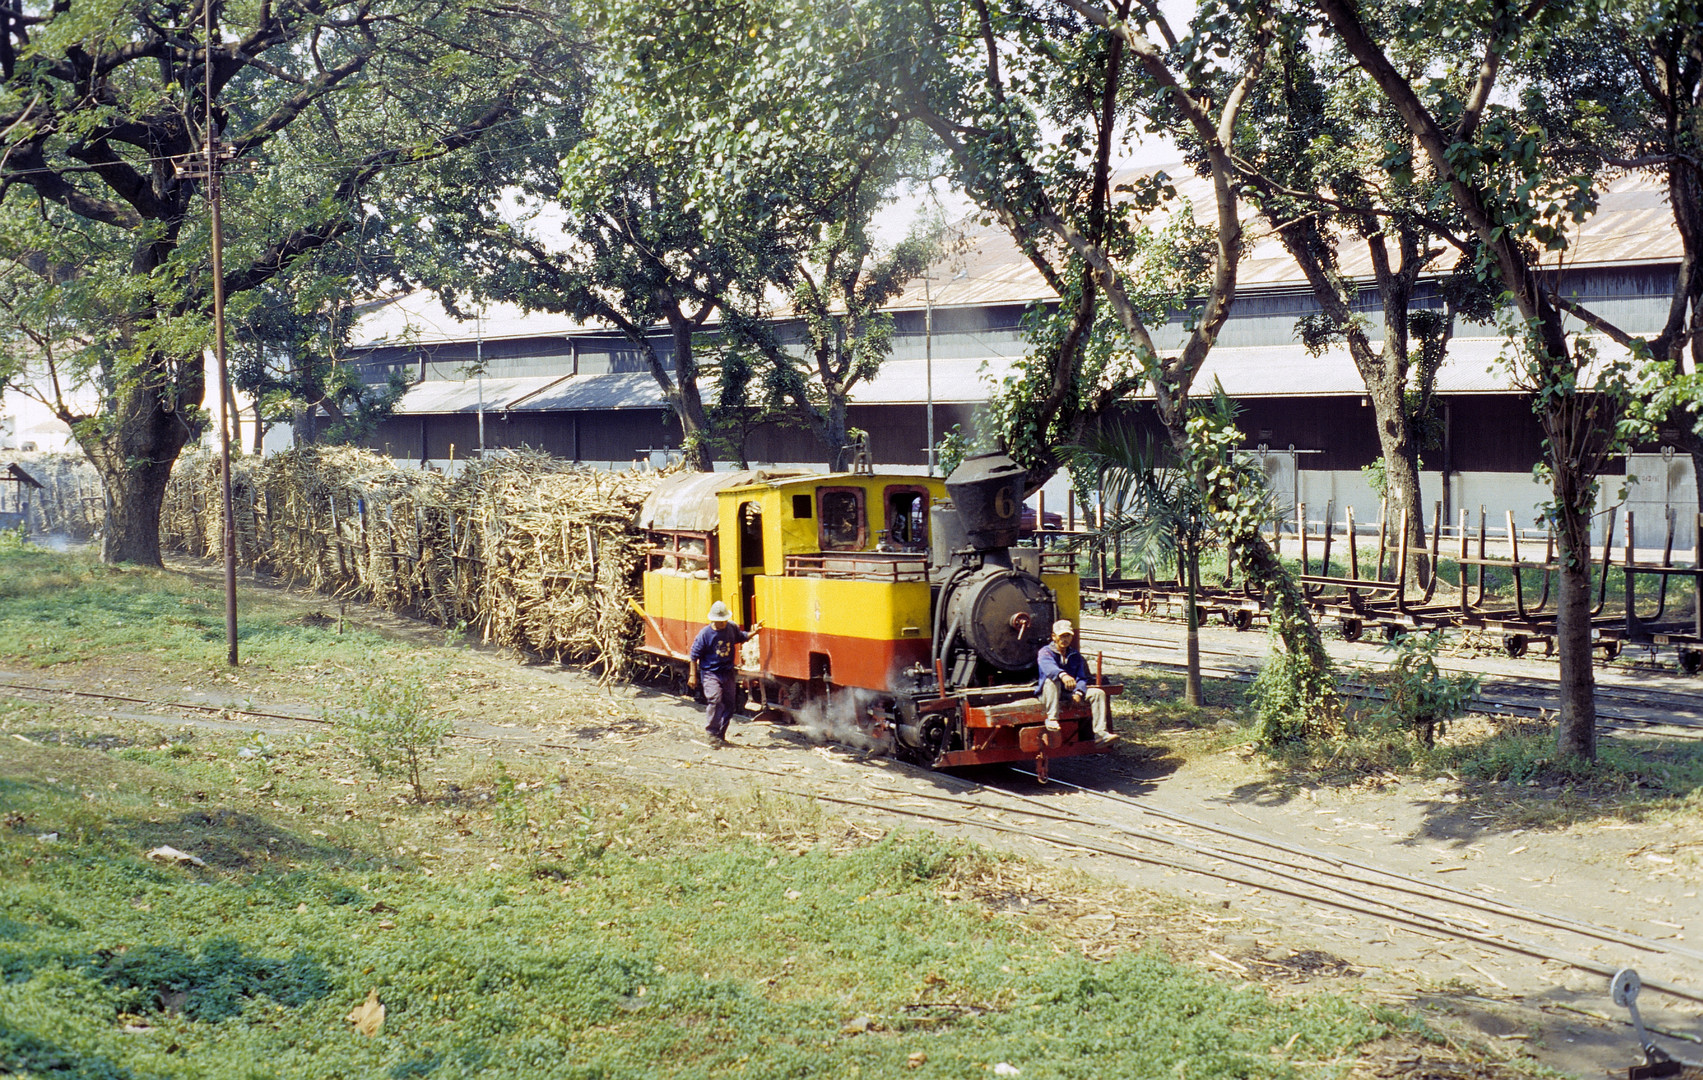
x: 1352, y: 629
x: 1243, y: 620
x: 933, y: 739
x: 1691, y: 661
x: 1109, y: 605
x: 1611, y: 649
x: 1392, y: 631
x: 1515, y: 644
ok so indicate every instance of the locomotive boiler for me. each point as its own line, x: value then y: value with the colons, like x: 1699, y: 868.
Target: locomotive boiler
x: 901, y: 608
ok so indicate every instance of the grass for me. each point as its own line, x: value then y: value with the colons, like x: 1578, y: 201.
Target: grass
x: 71, y: 608
x: 557, y: 925
x: 528, y: 919
x: 1510, y: 765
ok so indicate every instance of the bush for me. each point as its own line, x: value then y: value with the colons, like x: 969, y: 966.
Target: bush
x: 395, y: 727
x: 1421, y: 697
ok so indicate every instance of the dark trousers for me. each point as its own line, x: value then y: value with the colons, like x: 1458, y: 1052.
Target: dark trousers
x: 719, y: 695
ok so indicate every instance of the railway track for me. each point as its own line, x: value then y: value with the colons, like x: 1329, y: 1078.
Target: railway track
x: 1125, y: 829
x: 1114, y: 826
x: 1676, y: 713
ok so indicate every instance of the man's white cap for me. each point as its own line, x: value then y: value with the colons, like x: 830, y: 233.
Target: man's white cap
x: 1063, y: 627
x: 719, y: 612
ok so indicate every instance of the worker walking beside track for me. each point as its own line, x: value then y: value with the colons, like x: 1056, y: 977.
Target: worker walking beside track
x: 1064, y: 674
x: 712, y: 660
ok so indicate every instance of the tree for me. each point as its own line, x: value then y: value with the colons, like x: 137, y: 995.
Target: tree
x: 100, y: 105
x: 1621, y: 88
x: 726, y: 160
x: 1313, y: 159
x: 286, y: 353
x: 841, y: 286
x: 1518, y: 205
x: 987, y: 77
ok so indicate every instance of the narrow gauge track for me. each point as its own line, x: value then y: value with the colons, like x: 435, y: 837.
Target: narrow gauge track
x: 1618, y: 708
x: 1259, y: 863
x: 1242, y: 858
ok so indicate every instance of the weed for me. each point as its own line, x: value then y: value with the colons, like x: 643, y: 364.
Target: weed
x: 1418, y: 695
x: 396, y: 727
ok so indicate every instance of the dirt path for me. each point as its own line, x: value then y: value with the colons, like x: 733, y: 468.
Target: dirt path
x: 1640, y: 880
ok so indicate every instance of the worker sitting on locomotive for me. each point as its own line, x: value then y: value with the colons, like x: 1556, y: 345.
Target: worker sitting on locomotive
x: 712, y: 660
x: 1065, y: 673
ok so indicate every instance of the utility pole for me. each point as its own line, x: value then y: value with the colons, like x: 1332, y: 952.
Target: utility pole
x: 214, y: 156
x: 479, y: 371
x: 928, y: 359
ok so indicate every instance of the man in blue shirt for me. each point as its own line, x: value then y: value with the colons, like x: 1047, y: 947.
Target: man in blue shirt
x: 712, y: 659
x: 1064, y: 674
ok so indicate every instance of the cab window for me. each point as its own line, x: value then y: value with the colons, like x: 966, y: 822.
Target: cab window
x: 840, y: 512
x: 906, y: 519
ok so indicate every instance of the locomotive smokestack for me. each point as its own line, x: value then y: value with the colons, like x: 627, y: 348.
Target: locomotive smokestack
x: 987, y: 490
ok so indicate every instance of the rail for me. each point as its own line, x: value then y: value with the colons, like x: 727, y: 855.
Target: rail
x: 859, y: 566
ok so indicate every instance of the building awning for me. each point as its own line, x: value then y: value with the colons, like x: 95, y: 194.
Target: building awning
x: 601, y: 393
x: 440, y: 396
x: 16, y: 474
x: 1472, y: 366
x: 956, y: 381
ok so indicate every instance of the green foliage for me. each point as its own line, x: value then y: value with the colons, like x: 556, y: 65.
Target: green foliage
x: 105, y: 246
x: 396, y: 726
x: 217, y: 984
x: 1294, y: 698
x: 1419, y: 696
x: 952, y: 448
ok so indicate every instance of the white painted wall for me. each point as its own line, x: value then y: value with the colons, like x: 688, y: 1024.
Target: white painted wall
x: 1662, y: 486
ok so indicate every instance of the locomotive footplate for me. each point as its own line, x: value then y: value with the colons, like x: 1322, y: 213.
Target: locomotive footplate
x: 997, y: 732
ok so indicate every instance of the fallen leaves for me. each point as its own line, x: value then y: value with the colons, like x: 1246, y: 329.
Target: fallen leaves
x: 368, y: 1017
x: 167, y: 853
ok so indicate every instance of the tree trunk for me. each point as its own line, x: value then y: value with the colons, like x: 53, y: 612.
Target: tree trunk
x: 1401, y: 477
x: 1576, y: 736
x: 1571, y: 490
x: 259, y: 430
x: 134, y: 457
x: 835, y: 434
x: 688, y: 402
x: 1192, y: 693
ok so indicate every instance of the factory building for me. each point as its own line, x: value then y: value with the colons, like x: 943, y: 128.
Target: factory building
x: 584, y: 393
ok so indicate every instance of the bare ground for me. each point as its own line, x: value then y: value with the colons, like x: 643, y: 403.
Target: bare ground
x: 1497, y: 1009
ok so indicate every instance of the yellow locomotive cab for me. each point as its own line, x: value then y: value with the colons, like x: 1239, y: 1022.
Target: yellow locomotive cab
x: 834, y: 566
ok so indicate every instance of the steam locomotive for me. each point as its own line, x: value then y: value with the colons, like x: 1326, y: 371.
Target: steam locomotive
x: 896, y: 609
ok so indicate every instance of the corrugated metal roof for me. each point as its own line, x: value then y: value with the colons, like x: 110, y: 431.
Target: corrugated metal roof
x: 436, y: 396
x: 623, y: 390
x: 418, y: 318
x: 537, y: 393
x: 1633, y: 224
